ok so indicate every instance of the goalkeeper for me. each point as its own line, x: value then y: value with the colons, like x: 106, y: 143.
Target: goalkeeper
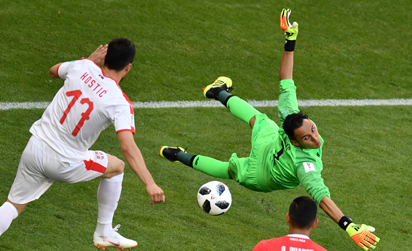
x: 280, y: 158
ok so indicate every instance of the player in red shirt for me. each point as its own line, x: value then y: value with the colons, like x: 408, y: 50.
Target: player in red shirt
x: 301, y: 219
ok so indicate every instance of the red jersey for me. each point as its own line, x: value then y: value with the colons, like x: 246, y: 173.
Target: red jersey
x: 291, y: 242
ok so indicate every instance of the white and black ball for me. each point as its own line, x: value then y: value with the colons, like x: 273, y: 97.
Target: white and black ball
x: 214, y: 198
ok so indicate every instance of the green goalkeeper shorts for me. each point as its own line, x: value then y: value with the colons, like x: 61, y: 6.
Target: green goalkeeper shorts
x: 248, y: 171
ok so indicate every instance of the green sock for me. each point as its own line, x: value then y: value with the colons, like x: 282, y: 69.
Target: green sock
x: 212, y: 167
x: 241, y: 109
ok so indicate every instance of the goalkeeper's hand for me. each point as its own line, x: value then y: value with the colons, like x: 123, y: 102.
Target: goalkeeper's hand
x: 361, y: 234
x: 290, y: 31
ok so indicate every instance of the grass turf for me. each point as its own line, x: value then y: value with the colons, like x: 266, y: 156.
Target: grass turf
x: 345, y: 50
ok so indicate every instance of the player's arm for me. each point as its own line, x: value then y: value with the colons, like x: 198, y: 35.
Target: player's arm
x: 135, y: 159
x: 288, y: 103
x: 53, y: 71
x: 310, y: 177
x: 259, y: 247
x: 286, y: 66
x: 361, y: 234
x: 97, y: 57
x: 331, y: 209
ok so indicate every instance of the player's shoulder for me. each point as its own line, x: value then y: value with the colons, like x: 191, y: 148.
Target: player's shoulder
x: 269, y: 244
x: 79, y: 61
x: 117, y: 98
x: 307, y: 242
x: 70, y: 66
x: 309, y: 154
x: 304, y: 155
x: 278, y: 240
x: 85, y: 62
x: 318, y: 247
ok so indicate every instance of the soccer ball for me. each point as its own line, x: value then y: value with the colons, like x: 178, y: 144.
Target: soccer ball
x: 214, y: 198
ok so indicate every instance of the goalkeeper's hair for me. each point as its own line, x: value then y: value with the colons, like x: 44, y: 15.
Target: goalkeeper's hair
x: 120, y: 53
x: 302, y: 212
x: 292, y: 122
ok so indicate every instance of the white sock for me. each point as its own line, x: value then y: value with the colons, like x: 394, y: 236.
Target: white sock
x: 7, y: 214
x: 108, y: 196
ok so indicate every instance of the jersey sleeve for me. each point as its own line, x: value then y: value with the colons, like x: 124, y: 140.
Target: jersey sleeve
x: 123, y: 119
x: 309, y: 175
x: 65, y: 67
x: 288, y: 103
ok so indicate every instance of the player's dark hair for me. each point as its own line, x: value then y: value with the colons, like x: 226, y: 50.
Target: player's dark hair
x: 120, y: 53
x: 302, y: 212
x: 292, y: 122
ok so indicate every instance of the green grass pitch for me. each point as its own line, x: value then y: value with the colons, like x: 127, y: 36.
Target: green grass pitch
x: 345, y: 50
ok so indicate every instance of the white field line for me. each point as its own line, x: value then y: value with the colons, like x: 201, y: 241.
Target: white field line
x: 214, y: 103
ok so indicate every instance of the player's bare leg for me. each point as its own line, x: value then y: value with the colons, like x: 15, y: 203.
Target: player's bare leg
x: 114, y: 167
x: 19, y: 207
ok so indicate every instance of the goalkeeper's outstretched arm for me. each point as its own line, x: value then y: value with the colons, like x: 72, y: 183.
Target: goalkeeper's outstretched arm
x: 361, y: 234
x: 286, y: 66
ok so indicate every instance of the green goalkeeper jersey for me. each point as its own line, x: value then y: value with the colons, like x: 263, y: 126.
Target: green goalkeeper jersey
x: 292, y: 166
x: 274, y: 162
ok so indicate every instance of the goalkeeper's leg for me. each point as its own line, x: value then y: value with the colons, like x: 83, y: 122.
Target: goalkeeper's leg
x: 238, y: 107
x: 207, y: 165
x: 211, y: 166
x: 242, y: 110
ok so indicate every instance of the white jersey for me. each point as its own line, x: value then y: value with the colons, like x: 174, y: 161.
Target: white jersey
x: 87, y: 104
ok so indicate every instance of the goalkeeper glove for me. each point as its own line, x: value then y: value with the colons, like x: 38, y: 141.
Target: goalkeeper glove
x: 290, y: 31
x: 361, y: 234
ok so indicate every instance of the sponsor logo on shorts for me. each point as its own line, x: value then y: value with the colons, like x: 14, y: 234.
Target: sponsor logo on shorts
x: 99, y: 155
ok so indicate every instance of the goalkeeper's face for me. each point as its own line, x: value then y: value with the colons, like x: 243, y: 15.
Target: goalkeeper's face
x: 307, y: 136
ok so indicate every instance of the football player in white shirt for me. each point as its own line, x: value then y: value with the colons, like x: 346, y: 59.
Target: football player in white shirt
x: 58, y: 150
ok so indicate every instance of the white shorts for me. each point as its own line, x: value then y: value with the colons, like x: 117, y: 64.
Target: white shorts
x: 40, y: 166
